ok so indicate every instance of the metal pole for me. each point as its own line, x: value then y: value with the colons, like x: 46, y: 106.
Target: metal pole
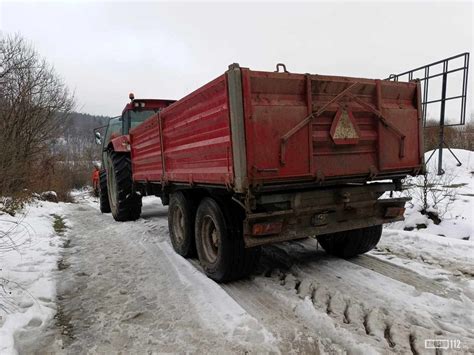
x: 441, y: 122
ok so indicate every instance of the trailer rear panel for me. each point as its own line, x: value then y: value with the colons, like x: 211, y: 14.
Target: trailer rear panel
x: 293, y: 127
x: 323, y: 127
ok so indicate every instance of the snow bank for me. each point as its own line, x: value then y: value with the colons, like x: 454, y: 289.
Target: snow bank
x: 455, y: 189
x: 29, y: 252
x: 85, y: 195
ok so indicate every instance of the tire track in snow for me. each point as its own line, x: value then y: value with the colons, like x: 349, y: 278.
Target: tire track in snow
x: 310, y: 301
x: 382, y: 328
x: 135, y: 296
x: 410, y: 246
x: 293, y: 337
x: 378, y: 323
x: 399, y: 273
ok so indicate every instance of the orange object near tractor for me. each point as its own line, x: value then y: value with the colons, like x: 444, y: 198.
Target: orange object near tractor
x: 95, y: 181
x: 254, y: 157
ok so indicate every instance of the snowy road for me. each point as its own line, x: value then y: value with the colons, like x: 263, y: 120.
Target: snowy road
x: 122, y: 287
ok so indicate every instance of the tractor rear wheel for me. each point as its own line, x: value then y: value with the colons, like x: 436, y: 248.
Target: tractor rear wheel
x: 125, y: 204
x: 103, y: 194
x: 351, y: 243
x: 219, y: 242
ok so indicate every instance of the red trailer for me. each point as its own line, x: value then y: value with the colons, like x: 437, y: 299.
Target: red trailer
x: 257, y: 157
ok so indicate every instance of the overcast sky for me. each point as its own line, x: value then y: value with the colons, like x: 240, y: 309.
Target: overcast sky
x: 104, y: 50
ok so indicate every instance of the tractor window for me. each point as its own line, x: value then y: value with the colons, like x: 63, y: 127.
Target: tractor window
x: 113, y: 130
x: 137, y: 117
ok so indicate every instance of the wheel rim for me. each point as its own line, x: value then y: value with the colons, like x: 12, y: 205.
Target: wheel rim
x: 210, y: 239
x: 178, y: 225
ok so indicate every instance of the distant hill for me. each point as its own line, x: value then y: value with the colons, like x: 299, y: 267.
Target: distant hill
x: 82, y: 124
x: 77, y: 141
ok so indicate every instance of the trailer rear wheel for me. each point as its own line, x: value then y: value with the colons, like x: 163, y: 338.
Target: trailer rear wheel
x: 220, y: 244
x: 125, y: 204
x: 350, y: 243
x: 181, y: 215
x: 103, y: 195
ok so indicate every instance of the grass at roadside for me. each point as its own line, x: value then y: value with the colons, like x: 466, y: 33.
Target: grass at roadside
x: 59, y: 224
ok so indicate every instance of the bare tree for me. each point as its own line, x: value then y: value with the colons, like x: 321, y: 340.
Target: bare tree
x: 33, y: 102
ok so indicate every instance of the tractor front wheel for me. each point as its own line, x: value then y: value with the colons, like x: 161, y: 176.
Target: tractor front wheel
x: 125, y: 204
x: 103, y: 194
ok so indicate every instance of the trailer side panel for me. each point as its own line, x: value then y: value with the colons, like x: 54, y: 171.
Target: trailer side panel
x: 146, y: 156
x: 196, y: 137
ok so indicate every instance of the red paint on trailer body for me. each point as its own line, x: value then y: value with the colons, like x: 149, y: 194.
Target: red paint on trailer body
x: 146, y: 152
x: 276, y: 102
x: 196, y: 140
x: 288, y: 119
x: 147, y: 162
x: 196, y: 136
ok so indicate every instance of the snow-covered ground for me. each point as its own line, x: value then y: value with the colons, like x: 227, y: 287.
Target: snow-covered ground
x: 121, y: 287
x: 29, y: 252
x: 450, y: 195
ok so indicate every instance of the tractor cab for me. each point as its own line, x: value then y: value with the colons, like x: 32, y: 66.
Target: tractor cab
x: 138, y: 110
x: 134, y: 113
x: 115, y: 165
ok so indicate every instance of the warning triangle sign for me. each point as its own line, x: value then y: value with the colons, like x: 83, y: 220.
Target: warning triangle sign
x: 344, y: 129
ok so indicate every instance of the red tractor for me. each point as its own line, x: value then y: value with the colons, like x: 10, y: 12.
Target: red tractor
x: 124, y: 202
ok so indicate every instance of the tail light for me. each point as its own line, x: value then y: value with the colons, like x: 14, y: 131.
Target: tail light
x: 266, y: 228
x: 392, y: 212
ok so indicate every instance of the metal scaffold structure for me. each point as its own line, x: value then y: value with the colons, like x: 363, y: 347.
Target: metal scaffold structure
x: 442, y: 82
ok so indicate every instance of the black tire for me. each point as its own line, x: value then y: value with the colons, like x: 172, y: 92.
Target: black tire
x: 181, y: 216
x: 350, y: 243
x: 103, y: 194
x: 125, y: 204
x: 220, y: 244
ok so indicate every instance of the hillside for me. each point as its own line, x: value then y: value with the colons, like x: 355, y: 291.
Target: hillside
x: 82, y: 124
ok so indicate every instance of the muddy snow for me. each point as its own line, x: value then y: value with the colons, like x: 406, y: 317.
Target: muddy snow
x: 109, y: 287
